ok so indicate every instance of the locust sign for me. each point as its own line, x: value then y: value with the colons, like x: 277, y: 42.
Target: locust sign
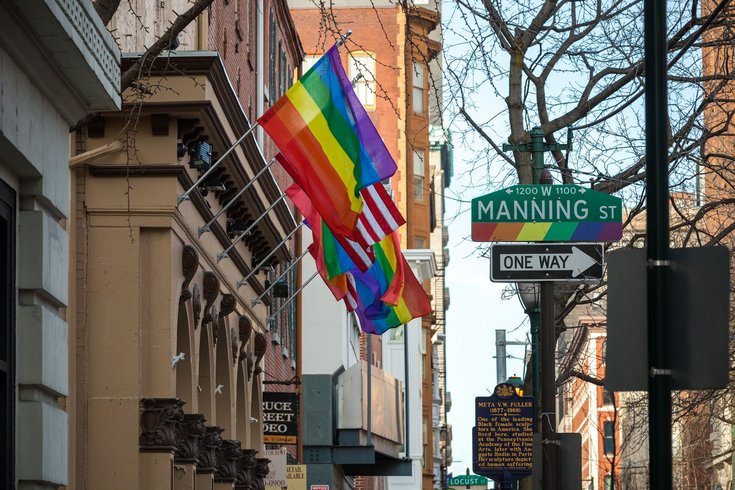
x: 546, y: 262
x: 547, y: 213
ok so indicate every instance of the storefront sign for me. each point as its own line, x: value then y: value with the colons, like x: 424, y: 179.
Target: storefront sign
x: 276, y: 468
x: 280, y: 418
x: 296, y: 476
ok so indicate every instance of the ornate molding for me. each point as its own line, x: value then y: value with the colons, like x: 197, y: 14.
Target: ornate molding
x: 245, y: 470
x: 259, y: 348
x: 246, y: 329
x: 233, y: 343
x: 227, y: 305
x: 189, y: 437
x: 260, y: 472
x: 207, y: 457
x: 159, y: 420
x: 227, y: 457
x: 190, y: 264
x: 196, y: 304
x: 210, y: 285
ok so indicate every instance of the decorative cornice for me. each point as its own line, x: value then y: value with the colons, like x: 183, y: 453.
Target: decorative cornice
x: 159, y: 419
x: 189, y: 438
x: 207, y: 458
x: 189, y: 264
x: 228, y: 456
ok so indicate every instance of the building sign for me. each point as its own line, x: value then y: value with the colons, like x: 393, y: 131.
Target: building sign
x: 296, y: 476
x: 547, y: 213
x: 502, y: 439
x: 280, y: 417
x: 320, y: 487
x: 276, y: 477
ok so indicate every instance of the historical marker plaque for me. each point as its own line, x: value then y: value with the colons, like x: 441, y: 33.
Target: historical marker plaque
x: 502, y: 439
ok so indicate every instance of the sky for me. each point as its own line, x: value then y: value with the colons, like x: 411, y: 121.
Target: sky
x: 476, y: 310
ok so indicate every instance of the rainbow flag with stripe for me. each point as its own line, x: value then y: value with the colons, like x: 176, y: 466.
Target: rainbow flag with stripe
x: 331, y: 146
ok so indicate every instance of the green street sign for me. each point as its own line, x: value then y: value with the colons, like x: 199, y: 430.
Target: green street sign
x: 547, y: 213
x: 467, y: 480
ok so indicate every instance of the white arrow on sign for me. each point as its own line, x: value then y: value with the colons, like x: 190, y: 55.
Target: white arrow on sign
x: 577, y: 261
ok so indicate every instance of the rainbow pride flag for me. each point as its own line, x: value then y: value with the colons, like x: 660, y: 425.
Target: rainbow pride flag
x: 331, y: 146
x: 376, y: 317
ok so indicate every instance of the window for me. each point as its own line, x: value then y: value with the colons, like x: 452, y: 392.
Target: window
x: 609, y: 438
x: 608, y: 482
x: 309, y: 61
x: 362, y: 74
x: 272, y: 57
x: 604, y: 352
x: 418, y: 88
x: 281, y: 70
x: 396, y: 333
x: 607, y: 397
x: 7, y: 336
x: 418, y: 175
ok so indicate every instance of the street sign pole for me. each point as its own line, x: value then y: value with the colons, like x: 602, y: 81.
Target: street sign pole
x: 547, y: 349
x: 657, y: 221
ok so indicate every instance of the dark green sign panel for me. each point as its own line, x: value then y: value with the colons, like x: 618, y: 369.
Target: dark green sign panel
x: 547, y: 213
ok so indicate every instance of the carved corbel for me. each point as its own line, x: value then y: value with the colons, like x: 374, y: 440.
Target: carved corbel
x: 211, y: 291
x: 246, y: 328
x: 207, y: 457
x: 196, y: 304
x: 259, y: 349
x: 227, y: 305
x: 159, y: 420
x: 261, y: 471
x: 228, y: 455
x: 233, y: 343
x: 245, y: 470
x: 189, y: 438
x: 190, y: 264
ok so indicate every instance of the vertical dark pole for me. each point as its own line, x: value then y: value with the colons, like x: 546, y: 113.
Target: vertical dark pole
x: 657, y: 220
x: 548, y: 350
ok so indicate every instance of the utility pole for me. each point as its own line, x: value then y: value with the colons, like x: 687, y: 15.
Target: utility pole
x: 547, y: 347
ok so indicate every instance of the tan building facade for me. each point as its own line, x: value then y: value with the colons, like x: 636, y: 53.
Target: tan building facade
x: 169, y: 344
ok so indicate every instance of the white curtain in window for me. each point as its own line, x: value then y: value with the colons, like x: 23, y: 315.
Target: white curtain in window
x: 361, y: 71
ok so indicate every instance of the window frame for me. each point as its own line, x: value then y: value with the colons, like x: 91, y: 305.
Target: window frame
x: 419, y: 197
x: 361, y: 66
x: 418, y: 89
x: 7, y: 333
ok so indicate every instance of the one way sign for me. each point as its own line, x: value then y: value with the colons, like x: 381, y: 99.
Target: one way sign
x: 580, y: 262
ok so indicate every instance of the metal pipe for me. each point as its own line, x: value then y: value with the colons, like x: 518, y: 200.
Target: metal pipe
x: 408, y: 395
x: 293, y: 295
x: 183, y: 197
x: 242, y: 281
x: 343, y: 38
x: 205, y: 228
x: 257, y: 300
x: 549, y: 442
x: 369, y: 441
x: 242, y: 235
x: 500, y: 356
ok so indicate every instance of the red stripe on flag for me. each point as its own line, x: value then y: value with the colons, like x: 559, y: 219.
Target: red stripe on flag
x: 379, y: 216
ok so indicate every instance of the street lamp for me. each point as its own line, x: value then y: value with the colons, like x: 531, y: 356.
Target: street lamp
x: 530, y: 298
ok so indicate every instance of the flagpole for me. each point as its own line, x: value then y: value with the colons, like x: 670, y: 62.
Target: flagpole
x: 183, y: 197
x: 298, y: 259
x: 293, y: 296
x: 205, y: 228
x: 343, y: 38
x: 242, y: 235
x: 242, y: 281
